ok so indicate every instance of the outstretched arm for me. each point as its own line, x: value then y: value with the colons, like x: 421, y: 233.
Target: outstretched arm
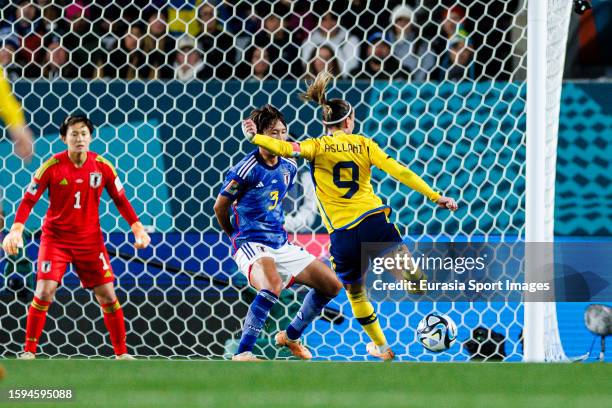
x: 278, y: 147
x: 406, y: 176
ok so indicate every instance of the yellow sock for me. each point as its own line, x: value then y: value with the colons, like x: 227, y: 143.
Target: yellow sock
x: 364, y: 313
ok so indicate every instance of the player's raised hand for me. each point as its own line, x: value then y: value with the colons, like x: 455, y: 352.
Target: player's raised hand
x: 24, y: 142
x: 14, y: 240
x: 141, y: 238
x: 249, y: 129
x: 447, y: 202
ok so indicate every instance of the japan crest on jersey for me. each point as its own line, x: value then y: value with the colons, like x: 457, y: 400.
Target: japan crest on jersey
x: 287, y: 177
x: 95, y: 179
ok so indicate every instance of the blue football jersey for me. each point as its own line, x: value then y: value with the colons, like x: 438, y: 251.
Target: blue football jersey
x: 258, y: 190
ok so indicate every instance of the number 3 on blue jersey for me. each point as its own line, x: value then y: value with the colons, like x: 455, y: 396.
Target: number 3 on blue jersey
x: 351, y: 184
x: 273, y: 196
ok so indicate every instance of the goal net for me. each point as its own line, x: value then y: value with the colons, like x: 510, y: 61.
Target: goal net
x: 440, y: 85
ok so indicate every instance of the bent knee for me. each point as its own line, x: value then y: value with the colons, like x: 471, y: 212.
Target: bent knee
x: 45, y: 291
x: 337, y: 288
x: 106, y: 299
x: 333, y: 288
x: 45, y: 294
x: 274, y: 285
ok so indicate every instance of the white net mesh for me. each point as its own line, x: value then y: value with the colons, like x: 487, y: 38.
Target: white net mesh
x: 439, y: 85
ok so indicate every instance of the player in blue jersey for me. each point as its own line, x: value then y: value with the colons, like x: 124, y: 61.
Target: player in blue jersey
x: 254, y: 189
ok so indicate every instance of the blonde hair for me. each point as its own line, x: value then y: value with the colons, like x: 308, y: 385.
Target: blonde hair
x: 316, y: 92
x: 334, y: 110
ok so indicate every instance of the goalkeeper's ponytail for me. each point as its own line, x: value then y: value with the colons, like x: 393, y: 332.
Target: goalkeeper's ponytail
x: 334, y: 110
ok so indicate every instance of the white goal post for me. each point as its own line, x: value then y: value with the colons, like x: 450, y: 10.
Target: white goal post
x: 547, y: 28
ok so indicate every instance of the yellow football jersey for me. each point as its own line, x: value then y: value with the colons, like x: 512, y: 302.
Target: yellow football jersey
x: 341, y: 169
x: 340, y: 166
x: 10, y: 110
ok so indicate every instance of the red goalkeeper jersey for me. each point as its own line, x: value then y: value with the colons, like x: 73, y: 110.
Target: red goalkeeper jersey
x: 74, y: 198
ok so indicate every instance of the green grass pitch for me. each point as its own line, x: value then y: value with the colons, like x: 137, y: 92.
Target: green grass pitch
x: 101, y: 383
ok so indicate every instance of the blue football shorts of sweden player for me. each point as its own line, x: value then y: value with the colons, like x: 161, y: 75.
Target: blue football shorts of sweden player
x: 346, y: 246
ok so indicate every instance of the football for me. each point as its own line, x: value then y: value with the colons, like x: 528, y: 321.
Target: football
x: 437, y: 332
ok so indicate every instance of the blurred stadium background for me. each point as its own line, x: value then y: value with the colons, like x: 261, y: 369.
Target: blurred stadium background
x: 439, y: 84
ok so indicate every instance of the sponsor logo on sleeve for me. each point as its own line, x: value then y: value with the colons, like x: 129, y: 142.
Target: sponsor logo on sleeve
x: 32, y: 188
x: 118, y: 184
x: 232, y: 187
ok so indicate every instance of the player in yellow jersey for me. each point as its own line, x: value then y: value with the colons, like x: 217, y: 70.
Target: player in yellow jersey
x: 14, y: 120
x: 341, y: 168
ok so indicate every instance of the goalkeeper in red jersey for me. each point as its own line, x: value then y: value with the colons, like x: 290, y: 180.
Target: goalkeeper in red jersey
x: 71, y: 231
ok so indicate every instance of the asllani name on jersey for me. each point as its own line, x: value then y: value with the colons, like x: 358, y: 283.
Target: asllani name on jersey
x: 343, y: 147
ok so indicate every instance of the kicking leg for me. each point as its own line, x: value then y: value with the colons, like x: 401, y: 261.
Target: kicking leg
x: 365, y: 315
x: 412, y: 272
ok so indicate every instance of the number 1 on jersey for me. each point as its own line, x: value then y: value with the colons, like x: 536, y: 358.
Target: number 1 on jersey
x: 77, y: 199
x: 103, y: 259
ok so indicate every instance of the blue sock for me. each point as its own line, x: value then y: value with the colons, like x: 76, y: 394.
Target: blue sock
x: 255, y: 319
x: 314, y: 302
